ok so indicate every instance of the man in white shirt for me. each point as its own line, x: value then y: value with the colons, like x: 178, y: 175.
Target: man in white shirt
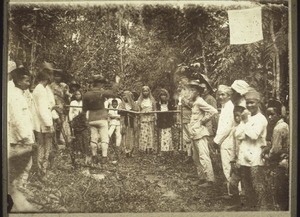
x: 252, y: 134
x: 223, y: 138
x: 43, y: 120
x: 20, y: 137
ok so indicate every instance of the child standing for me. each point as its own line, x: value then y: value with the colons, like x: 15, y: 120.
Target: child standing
x: 165, y: 121
x: 235, y: 173
x: 114, y: 122
x: 74, y: 111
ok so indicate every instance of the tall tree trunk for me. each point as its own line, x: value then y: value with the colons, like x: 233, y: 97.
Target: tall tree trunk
x: 276, y: 60
x: 121, y: 44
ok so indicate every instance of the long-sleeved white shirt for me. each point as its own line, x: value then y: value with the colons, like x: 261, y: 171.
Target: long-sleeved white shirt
x: 225, y: 124
x: 201, y: 111
x: 20, y: 123
x: 52, y: 101
x: 253, y: 137
x: 43, y: 105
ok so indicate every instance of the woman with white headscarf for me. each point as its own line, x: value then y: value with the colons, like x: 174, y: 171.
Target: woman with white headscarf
x: 146, y: 103
x: 223, y: 140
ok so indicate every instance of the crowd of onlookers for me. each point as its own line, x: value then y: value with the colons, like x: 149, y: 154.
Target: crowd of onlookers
x: 251, y: 138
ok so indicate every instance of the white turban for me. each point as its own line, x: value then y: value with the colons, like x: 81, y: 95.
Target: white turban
x: 240, y: 86
x: 225, y: 89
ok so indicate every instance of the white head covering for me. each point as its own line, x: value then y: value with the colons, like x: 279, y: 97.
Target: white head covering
x: 225, y: 89
x: 11, y: 65
x: 240, y: 86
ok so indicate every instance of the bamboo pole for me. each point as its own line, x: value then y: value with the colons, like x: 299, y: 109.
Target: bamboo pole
x: 128, y: 111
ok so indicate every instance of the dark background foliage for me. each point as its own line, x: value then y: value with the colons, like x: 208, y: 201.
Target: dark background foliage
x: 150, y: 44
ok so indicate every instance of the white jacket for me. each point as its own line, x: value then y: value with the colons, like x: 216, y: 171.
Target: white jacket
x: 225, y: 125
x: 43, y: 114
x: 20, y: 123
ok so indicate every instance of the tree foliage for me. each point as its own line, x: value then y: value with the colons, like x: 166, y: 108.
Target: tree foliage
x: 148, y: 44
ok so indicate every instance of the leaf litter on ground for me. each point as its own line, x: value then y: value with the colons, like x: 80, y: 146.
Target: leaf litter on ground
x: 144, y: 183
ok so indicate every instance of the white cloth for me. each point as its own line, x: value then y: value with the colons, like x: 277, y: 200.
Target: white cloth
x: 74, y: 111
x: 19, y: 117
x: 245, y: 25
x: 225, y: 124
x: 43, y: 104
x: 253, y: 137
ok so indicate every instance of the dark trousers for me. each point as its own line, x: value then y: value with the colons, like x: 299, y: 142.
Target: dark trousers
x: 253, y: 179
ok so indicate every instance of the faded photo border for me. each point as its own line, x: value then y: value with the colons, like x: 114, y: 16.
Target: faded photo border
x: 293, y: 105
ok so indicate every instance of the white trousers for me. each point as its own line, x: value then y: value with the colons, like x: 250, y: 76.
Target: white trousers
x: 117, y: 130
x: 202, y: 159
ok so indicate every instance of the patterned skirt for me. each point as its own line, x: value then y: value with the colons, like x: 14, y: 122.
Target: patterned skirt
x: 146, y: 137
x: 166, y: 139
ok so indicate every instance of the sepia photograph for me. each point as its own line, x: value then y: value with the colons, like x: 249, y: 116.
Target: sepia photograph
x: 142, y: 107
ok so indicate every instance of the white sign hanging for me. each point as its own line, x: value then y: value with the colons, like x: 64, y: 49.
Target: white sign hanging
x: 245, y: 25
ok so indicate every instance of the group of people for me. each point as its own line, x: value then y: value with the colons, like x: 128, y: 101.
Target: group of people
x: 252, y: 141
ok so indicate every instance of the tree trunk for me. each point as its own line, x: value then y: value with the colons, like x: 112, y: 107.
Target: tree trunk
x: 121, y: 44
x: 276, y: 60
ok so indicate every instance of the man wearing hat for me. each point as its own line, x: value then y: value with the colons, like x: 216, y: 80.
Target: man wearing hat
x: 93, y: 103
x: 202, y: 112
x: 277, y: 153
x: 239, y: 88
x: 20, y: 137
x: 252, y: 133
x: 61, y: 99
